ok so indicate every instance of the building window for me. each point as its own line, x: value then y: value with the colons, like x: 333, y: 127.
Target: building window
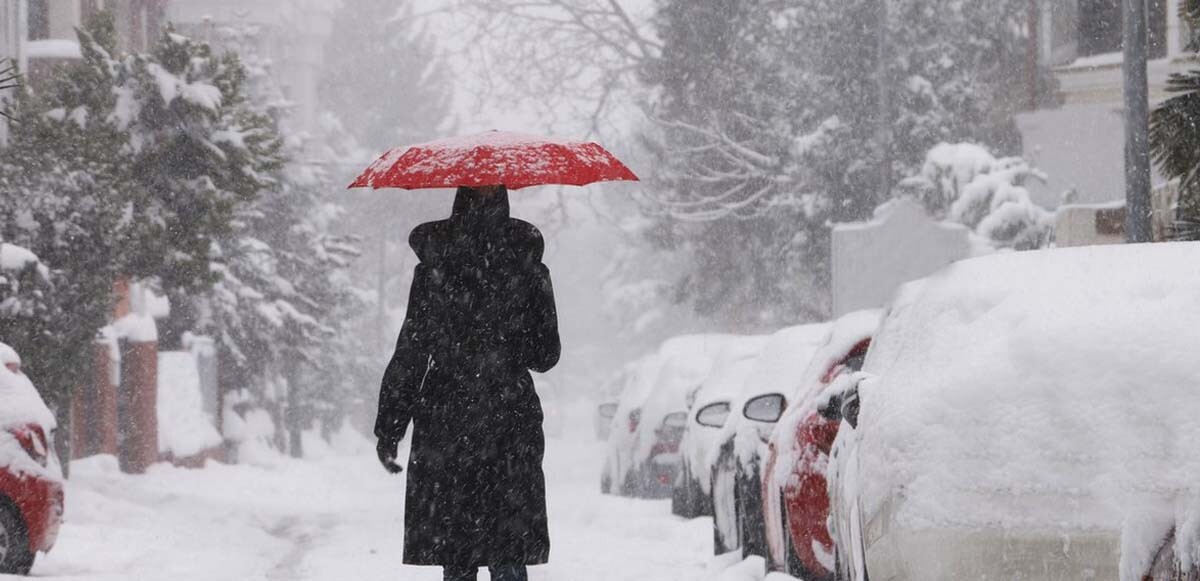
x: 1100, y: 27
x: 39, y: 19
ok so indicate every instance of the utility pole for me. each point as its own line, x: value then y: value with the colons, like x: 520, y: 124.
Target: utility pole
x: 1033, y: 50
x: 884, y: 130
x: 1137, y: 123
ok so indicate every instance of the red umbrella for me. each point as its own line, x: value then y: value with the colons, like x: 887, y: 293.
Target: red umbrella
x: 494, y: 158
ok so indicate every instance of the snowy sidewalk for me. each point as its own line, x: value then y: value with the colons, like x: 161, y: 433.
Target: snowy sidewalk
x: 341, y: 518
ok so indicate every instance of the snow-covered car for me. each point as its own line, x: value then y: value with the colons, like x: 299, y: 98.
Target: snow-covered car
x: 1178, y: 556
x: 795, y: 502
x: 737, y: 460
x: 643, y: 448
x: 610, y: 400
x: 31, y: 486
x: 709, y: 406
x: 1022, y: 415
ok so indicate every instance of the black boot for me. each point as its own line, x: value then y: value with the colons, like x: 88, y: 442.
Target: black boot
x: 509, y: 573
x: 453, y: 573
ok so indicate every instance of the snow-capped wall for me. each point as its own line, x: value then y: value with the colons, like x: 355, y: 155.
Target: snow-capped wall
x: 184, y: 428
x: 872, y: 259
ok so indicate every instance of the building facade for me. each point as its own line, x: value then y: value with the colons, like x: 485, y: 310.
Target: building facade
x: 292, y: 34
x: 36, y: 35
x: 1080, y: 143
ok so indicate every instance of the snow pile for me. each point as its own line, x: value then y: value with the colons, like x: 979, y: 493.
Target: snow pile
x: 493, y: 158
x: 1050, y: 390
x: 251, y: 430
x: 753, y: 568
x: 135, y: 327
x: 845, y: 333
x: 184, y: 429
x: 778, y: 369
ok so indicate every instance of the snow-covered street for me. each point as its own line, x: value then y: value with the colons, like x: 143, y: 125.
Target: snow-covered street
x: 340, y: 517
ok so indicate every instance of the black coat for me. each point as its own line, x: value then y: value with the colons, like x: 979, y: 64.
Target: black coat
x: 481, y: 315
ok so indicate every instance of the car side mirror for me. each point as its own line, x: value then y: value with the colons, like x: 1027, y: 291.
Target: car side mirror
x: 765, y: 408
x: 713, y: 415
x: 608, y: 410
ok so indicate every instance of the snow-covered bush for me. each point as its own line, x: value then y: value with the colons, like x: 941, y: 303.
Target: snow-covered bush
x: 965, y: 184
x: 23, y: 280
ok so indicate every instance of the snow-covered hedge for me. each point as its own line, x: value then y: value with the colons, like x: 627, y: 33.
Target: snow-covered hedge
x: 965, y: 184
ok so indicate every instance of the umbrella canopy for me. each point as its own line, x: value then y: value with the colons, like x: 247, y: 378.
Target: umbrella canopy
x: 494, y: 158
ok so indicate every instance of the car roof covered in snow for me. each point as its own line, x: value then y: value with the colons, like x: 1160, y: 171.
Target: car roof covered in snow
x: 781, y: 365
x: 1007, y: 384
x: 729, y: 372
x: 685, y: 363
x: 20, y: 402
x: 676, y: 360
x: 777, y: 369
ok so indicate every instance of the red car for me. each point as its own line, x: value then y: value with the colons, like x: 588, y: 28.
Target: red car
x: 31, y: 490
x: 795, y: 501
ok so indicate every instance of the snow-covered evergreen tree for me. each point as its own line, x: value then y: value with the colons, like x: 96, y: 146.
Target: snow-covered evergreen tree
x: 68, y: 196
x: 279, y: 307
x: 200, y: 152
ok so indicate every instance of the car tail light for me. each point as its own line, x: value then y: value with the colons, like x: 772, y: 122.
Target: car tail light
x: 33, y: 441
x: 635, y: 418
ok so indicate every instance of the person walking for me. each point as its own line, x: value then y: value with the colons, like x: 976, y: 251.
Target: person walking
x: 481, y: 315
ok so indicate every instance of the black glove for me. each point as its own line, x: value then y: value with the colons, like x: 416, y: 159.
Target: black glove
x: 387, y: 455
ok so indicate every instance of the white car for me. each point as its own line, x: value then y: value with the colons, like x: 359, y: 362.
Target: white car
x: 610, y: 400
x: 709, y: 406
x: 737, y: 458
x: 1023, y: 416
x: 643, y: 448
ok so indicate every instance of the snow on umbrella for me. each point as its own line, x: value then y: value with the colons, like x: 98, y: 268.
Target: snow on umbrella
x: 494, y: 158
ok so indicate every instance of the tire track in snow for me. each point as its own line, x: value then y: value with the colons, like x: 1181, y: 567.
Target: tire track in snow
x: 302, y: 534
